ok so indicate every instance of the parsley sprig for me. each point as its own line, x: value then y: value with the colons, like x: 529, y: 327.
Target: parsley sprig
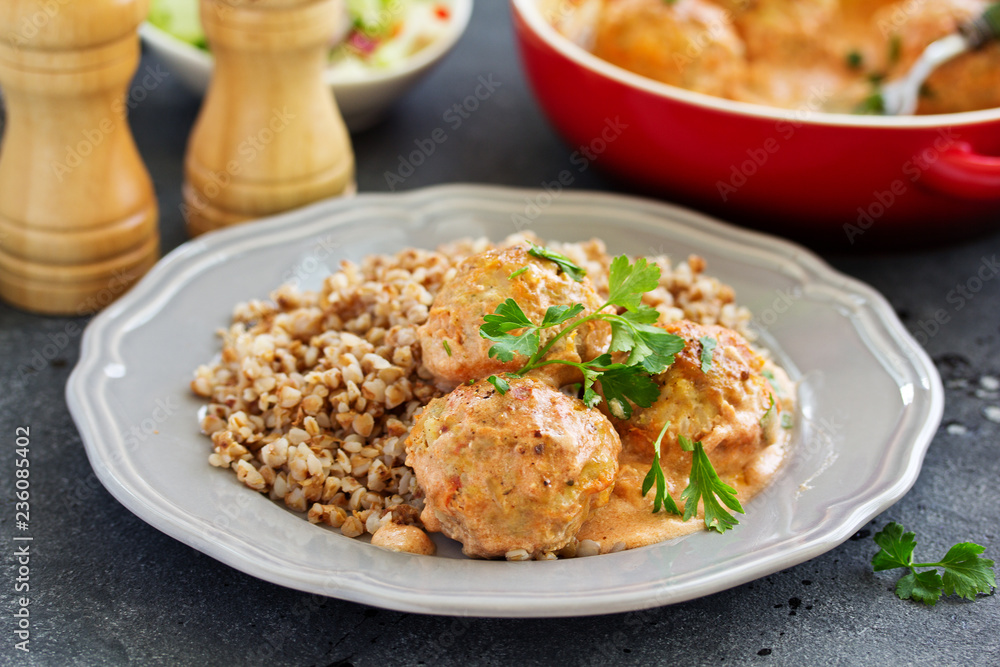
x: 650, y: 349
x: 564, y: 263
x: 965, y: 573
x: 661, y: 499
x: 704, y: 485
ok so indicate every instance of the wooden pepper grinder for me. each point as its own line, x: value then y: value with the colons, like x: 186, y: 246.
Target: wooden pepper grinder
x: 78, y: 216
x: 269, y: 136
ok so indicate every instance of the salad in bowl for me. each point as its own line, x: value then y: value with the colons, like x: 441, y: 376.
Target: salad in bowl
x: 384, y: 48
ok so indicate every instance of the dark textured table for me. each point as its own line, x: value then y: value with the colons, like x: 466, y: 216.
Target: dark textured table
x: 106, y: 589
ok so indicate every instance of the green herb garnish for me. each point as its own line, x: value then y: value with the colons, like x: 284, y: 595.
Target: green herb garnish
x: 965, y: 573
x: 773, y: 381
x: 621, y: 383
x: 662, y: 499
x: 517, y: 273
x: 874, y: 104
x: 565, y: 263
x: 895, y: 49
x: 769, y: 412
x: 855, y: 59
x: 447, y: 348
x: 508, y: 318
x: 651, y: 349
x: 708, y: 345
x: 704, y: 484
x: 499, y: 383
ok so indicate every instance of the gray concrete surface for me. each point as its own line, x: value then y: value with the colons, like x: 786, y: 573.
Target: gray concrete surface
x: 107, y: 589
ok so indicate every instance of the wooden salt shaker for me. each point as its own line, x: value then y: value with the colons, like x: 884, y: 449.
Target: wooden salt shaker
x: 78, y: 216
x: 269, y: 136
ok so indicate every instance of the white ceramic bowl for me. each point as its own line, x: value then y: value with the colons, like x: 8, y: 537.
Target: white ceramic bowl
x: 362, y: 102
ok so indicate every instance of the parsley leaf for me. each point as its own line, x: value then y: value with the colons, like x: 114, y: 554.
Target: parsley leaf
x: 565, y: 264
x: 556, y: 315
x: 507, y: 317
x: 708, y: 345
x: 897, y: 548
x: 873, y: 105
x: 590, y: 397
x: 498, y: 327
x: 515, y: 274
x: 649, y: 345
x: 501, y: 385
x: 662, y: 347
x: 704, y: 484
x: 621, y: 384
x: 633, y: 331
x: 642, y: 314
x: 625, y: 327
x: 854, y: 59
x: 773, y: 381
x: 966, y: 574
x: 920, y: 586
x: 651, y: 350
x: 627, y: 282
x: 507, y: 347
x: 769, y: 412
x: 662, y: 499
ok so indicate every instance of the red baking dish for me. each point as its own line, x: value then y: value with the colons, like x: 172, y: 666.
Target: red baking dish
x: 836, y: 180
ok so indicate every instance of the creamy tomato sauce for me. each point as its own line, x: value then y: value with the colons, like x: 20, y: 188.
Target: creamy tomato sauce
x: 628, y: 517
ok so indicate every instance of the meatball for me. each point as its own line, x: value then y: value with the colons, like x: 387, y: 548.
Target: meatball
x: 788, y: 31
x: 521, y: 470
x: 967, y: 83
x: 912, y: 26
x: 687, y: 43
x: 451, y: 346
x: 723, y: 407
x: 971, y: 81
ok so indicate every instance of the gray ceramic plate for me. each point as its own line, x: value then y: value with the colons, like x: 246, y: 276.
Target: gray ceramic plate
x: 870, y: 401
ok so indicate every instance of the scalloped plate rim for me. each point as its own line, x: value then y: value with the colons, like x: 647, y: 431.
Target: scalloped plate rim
x: 167, y: 277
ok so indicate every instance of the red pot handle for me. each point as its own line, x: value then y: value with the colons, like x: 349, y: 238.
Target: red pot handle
x: 961, y: 172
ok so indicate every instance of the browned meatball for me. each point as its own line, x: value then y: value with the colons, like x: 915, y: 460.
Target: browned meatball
x: 914, y: 25
x: 968, y: 83
x: 788, y: 31
x: 723, y: 407
x: 687, y: 43
x: 521, y: 470
x: 971, y: 81
x: 450, y: 342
